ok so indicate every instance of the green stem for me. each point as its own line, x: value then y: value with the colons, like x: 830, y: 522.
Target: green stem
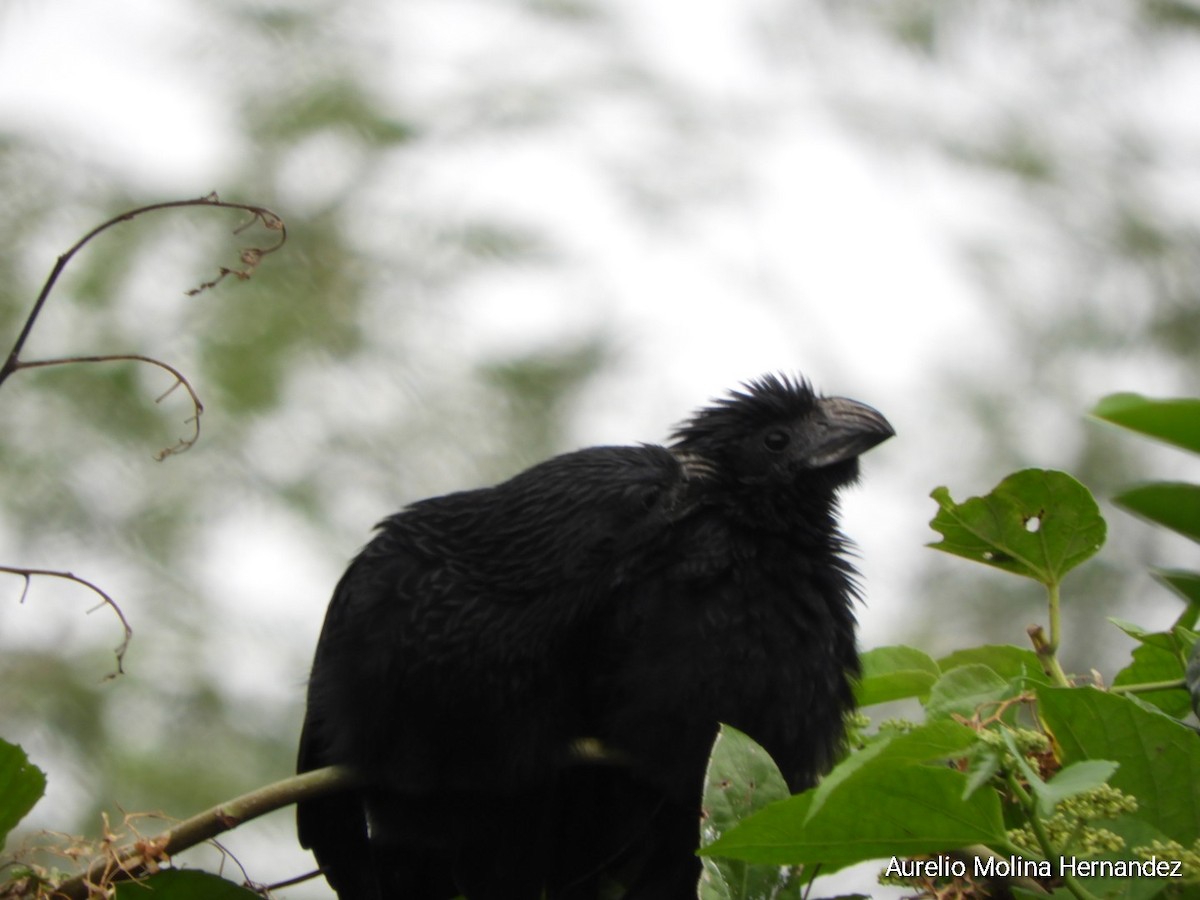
x: 1055, y: 617
x: 1148, y: 687
x: 1049, y: 852
x: 131, y: 862
x: 1047, y: 648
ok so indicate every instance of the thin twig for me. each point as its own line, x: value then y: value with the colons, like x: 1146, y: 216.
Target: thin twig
x: 28, y: 574
x: 261, y: 214
x: 251, y: 257
x: 180, y: 445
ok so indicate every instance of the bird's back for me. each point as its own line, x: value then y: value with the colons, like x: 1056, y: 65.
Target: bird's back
x: 443, y: 671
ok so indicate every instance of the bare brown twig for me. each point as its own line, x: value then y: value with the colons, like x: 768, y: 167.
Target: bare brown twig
x: 28, y: 574
x: 250, y: 257
x: 184, y: 443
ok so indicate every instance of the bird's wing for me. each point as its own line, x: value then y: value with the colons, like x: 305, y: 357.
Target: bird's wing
x: 334, y: 827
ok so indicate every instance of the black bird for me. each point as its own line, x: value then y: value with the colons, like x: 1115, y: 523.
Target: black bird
x: 633, y: 595
x: 744, y: 618
x: 446, y: 675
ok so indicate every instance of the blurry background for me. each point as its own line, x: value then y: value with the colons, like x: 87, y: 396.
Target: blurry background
x: 523, y: 226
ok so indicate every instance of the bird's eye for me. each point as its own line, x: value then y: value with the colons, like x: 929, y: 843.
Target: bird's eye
x: 650, y: 498
x: 776, y: 440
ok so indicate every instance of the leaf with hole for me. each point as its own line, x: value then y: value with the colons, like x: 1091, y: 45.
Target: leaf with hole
x: 1038, y: 523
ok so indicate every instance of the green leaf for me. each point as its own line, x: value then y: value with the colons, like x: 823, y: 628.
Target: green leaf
x: 1032, y: 778
x: 1036, y: 523
x: 21, y: 786
x: 940, y: 740
x: 894, y: 673
x: 1153, y: 663
x: 1007, y: 661
x: 1174, y: 421
x: 1159, y: 639
x: 1174, y: 505
x: 1136, y: 833
x: 1159, y: 757
x: 984, y: 763
x: 1185, y: 584
x: 742, y: 779
x: 183, y: 884
x: 884, y: 811
x: 1070, y: 781
x: 965, y: 689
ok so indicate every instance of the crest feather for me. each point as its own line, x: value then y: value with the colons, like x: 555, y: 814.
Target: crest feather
x: 765, y: 400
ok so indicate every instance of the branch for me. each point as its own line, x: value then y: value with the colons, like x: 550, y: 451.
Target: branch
x: 28, y: 574
x: 250, y: 257
x: 133, y: 861
x: 141, y: 857
x: 181, y: 445
x: 1047, y: 656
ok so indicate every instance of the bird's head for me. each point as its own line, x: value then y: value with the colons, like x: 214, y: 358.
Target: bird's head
x: 778, y: 432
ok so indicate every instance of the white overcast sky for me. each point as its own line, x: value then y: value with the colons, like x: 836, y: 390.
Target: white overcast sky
x: 828, y: 258
x: 828, y: 254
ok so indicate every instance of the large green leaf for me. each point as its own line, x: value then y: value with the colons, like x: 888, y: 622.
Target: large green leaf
x: 183, y: 884
x: 1174, y: 421
x: 21, y: 786
x: 883, y: 811
x: 965, y: 690
x: 1159, y: 757
x: 941, y: 740
x: 1174, y: 505
x: 1151, y: 664
x: 1009, y: 662
x: 742, y: 779
x: 894, y: 673
x: 1037, y: 523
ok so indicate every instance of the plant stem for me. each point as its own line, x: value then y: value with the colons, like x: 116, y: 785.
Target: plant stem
x: 1148, y: 687
x: 1047, y: 648
x: 1055, y: 616
x: 1049, y: 851
x: 130, y: 862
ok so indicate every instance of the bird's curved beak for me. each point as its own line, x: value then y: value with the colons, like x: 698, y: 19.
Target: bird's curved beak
x: 849, y: 429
